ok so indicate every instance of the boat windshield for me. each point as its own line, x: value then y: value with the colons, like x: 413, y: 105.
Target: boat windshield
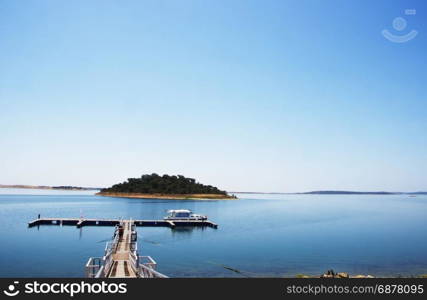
x: 182, y: 214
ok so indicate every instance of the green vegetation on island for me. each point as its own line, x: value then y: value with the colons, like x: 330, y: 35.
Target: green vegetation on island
x: 169, y: 186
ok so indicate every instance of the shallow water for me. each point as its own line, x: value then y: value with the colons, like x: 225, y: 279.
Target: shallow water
x: 259, y: 235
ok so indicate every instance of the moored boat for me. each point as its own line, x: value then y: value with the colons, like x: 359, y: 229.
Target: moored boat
x: 183, y: 214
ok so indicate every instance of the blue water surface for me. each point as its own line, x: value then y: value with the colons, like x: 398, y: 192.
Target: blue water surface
x: 259, y: 235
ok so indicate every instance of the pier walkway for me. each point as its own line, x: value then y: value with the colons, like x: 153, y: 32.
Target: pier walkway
x: 121, y: 259
x: 121, y: 266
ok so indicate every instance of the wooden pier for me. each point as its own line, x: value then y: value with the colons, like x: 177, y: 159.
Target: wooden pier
x: 121, y: 258
x: 80, y: 222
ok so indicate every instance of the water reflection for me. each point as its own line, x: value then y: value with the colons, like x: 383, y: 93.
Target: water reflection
x: 185, y: 231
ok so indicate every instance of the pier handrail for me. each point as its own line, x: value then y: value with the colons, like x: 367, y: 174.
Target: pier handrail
x: 147, y: 272
x: 144, y: 266
x: 133, y: 246
x: 112, y: 245
x: 133, y: 258
x: 94, y: 267
x: 147, y: 261
x: 99, y: 267
x: 147, y: 268
x: 107, y: 262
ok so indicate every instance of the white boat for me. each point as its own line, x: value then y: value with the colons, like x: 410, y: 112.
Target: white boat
x: 183, y: 214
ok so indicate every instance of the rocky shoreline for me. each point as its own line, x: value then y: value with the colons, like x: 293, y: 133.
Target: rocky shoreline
x: 332, y: 274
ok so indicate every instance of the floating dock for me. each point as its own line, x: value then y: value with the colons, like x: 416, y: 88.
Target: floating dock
x: 121, y: 259
x: 81, y: 222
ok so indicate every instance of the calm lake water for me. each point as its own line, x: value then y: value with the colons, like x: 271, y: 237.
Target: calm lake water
x: 260, y: 235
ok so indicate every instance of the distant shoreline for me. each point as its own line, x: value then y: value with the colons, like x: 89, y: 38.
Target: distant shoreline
x: 168, y: 196
x: 45, y: 187
x: 335, y: 193
x: 325, y: 192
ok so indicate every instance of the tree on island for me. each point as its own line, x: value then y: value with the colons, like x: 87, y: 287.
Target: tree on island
x: 166, y: 184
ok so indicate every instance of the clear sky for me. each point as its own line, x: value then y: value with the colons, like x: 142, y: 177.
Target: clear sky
x: 245, y: 95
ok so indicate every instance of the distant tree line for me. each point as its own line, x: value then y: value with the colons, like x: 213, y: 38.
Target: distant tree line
x: 67, y: 187
x: 166, y: 184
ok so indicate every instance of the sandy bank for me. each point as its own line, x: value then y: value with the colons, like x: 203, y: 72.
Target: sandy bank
x: 168, y: 196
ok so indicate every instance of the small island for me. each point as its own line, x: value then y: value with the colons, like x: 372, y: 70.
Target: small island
x: 155, y: 186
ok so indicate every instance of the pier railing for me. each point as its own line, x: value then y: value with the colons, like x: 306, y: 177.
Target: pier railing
x: 147, y: 268
x: 133, y: 259
x: 143, y: 266
x: 110, y: 247
x: 147, y: 261
x: 94, y: 267
x: 147, y: 272
x: 98, y: 267
x: 108, y: 262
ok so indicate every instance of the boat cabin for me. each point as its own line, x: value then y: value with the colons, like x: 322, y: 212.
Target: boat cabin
x: 183, y: 214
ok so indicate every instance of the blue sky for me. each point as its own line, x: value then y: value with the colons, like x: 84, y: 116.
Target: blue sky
x: 246, y: 95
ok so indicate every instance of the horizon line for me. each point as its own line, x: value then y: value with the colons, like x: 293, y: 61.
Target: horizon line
x: 326, y: 191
